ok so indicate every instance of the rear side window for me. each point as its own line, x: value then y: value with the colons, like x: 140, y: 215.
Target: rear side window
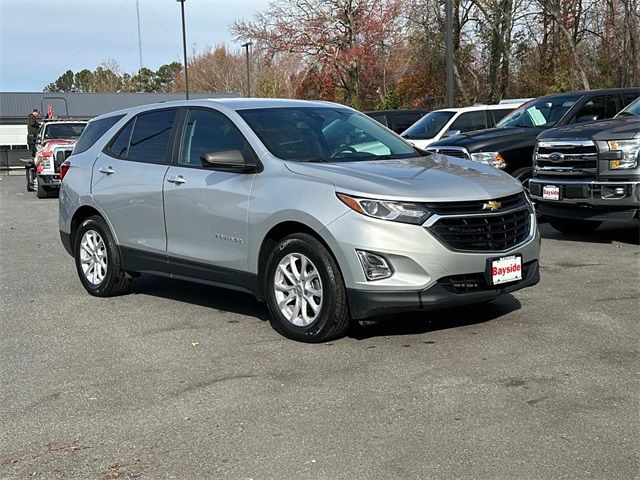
x: 150, y: 136
x: 93, y: 132
x: 500, y: 114
x: 120, y: 145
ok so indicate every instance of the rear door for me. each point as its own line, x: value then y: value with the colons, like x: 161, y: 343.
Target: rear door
x: 128, y: 177
x: 206, y: 210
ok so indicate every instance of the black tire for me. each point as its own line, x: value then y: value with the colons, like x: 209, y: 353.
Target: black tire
x: 569, y: 225
x: 30, y: 174
x: 523, y: 175
x: 332, y: 319
x: 115, y: 281
x: 41, y: 192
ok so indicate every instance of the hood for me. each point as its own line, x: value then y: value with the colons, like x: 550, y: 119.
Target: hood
x: 491, y: 139
x: 621, y: 128
x: 434, y: 178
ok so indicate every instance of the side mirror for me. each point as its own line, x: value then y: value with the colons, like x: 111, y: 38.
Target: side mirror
x: 451, y: 133
x: 229, y: 161
x: 587, y: 118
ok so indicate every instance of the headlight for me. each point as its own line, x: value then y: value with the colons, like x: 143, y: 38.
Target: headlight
x: 387, y: 209
x: 630, y: 150
x: 489, y: 158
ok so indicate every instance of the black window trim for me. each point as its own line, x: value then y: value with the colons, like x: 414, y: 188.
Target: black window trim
x: 167, y: 161
x: 179, y: 137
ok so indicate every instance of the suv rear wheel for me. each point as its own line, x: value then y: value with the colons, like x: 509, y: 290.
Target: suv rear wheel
x: 305, y: 291
x: 98, y: 259
x: 569, y: 225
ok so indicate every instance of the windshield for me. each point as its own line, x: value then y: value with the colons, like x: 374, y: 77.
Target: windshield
x: 542, y: 112
x: 428, y: 126
x: 324, y: 134
x: 632, y: 109
x: 64, y: 130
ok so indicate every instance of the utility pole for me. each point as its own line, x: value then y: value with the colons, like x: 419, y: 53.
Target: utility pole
x: 246, y: 47
x: 184, y: 47
x: 449, y: 46
x: 139, y: 45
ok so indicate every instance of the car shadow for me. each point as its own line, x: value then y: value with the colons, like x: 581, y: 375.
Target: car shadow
x: 607, y: 233
x: 207, y: 296
x: 411, y: 323
x: 417, y: 323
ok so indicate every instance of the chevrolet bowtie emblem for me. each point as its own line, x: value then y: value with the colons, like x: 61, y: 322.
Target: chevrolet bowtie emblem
x: 492, y: 205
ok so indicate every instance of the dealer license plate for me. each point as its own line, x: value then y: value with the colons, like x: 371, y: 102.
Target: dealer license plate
x: 551, y: 192
x: 506, y: 269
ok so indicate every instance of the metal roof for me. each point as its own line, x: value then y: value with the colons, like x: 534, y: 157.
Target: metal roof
x: 18, y: 105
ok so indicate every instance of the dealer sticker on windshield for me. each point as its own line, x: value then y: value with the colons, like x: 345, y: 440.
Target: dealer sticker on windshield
x: 506, y: 269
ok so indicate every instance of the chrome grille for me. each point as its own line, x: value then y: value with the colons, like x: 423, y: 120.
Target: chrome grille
x: 566, y: 157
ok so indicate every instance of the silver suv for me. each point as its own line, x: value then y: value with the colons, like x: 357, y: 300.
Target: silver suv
x: 311, y: 206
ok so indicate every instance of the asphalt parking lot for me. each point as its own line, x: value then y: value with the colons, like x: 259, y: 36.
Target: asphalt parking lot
x: 178, y: 380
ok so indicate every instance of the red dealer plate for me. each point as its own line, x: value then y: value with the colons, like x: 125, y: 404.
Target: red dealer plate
x: 506, y: 269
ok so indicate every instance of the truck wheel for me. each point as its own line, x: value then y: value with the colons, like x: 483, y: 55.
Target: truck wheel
x: 98, y: 259
x: 305, y: 292
x: 41, y: 192
x: 30, y: 174
x: 569, y: 225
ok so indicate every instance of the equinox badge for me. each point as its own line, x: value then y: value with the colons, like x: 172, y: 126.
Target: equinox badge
x: 492, y: 205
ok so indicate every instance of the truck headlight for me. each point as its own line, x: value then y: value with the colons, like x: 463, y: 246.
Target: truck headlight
x: 489, y: 158
x: 403, y: 212
x: 630, y: 150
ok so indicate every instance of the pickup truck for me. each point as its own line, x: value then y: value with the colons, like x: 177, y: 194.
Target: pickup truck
x: 586, y: 174
x: 509, y: 146
x: 55, y: 141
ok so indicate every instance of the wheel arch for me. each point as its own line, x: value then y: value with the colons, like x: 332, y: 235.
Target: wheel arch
x: 277, y: 233
x: 80, y: 215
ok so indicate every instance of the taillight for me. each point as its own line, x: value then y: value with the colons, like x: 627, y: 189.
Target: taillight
x: 64, y: 168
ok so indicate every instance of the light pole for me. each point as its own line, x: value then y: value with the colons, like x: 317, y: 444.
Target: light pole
x: 449, y: 48
x: 246, y: 47
x: 184, y: 47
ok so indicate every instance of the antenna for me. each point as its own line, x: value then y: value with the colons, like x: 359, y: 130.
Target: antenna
x: 139, y: 44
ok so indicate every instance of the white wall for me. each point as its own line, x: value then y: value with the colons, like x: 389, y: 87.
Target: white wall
x: 13, y: 135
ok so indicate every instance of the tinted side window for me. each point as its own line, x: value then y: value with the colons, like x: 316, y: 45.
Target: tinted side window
x: 207, y: 131
x: 629, y: 97
x: 380, y: 119
x: 93, y: 132
x: 500, y: 114
x: 469, y: 121
x: 614, y: 105
x: 120, y: 145
x: 150, y: 137
x: 594, y: 108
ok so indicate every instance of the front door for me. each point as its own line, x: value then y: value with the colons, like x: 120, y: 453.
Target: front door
x: 206, y: 210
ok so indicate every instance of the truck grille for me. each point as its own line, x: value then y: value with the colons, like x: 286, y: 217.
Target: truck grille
x: 484, y: 233
x: 61, y: 156
x: 566, y: 157
x: 450, y: 151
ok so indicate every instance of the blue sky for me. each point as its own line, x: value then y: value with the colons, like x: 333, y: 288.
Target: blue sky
x: 41, y: 39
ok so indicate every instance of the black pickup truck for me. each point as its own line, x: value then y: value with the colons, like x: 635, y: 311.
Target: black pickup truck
x: 586, y: 174
x: 509, y: 146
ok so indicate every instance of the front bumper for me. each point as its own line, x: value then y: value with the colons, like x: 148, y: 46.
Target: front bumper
x: 421, y: 266
x: 588, y: 199
x: 50, y: 180
x: 366, y: 303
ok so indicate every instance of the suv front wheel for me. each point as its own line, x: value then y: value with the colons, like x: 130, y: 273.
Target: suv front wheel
x: 305, y: 291
x: 98, y: 259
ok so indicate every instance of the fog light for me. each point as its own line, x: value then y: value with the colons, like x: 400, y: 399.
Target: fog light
x: 618, y: 191
x: 375, y: 267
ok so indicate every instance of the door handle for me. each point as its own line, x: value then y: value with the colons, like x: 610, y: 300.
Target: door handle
x: 178, y: 180
x: 106, y: 170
